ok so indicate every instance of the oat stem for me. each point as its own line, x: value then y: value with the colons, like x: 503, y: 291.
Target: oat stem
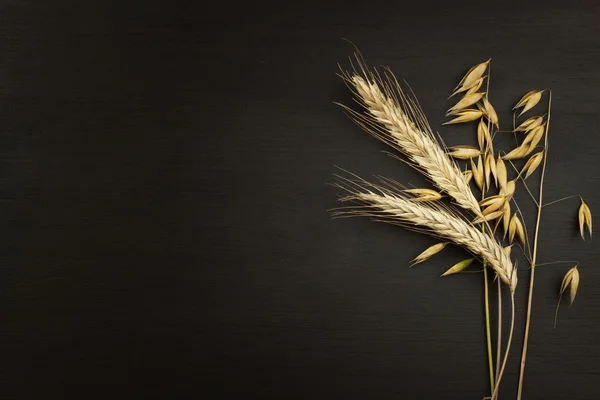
x: 488, y: 333
x: 559, y: 200
x: 535, y: 243
x: 524, y: 183
x: 510, y: 335
x: 559, y: 262
x: 499, y: 338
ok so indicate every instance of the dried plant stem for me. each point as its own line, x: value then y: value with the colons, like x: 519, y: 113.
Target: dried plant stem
x: 562, y: 199
x: 488, y: 333
x: 495, y: 379
x: 499, y: 337
x: 527, y: 322
x: 558, y: 262
x: 510, y: 335
x: 533, y: 259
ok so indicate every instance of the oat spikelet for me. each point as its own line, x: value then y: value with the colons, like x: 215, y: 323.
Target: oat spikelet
x: 483, y: 134
x: 506, y: 218
x: 493, y: 203
x: 429, y: 252
x: 574, y: 285
x: 459, y: 267
x: 489, y: 111
x: 424, y: 194
x: 533, y: 138
x: 529, y: 100
x: 468, y: 100
x: 515, y: 227
x: 571, y: 281
x: 465, y: 116
x: 509, y: 190
x: 501, y: 172
x: 585, y: 219
x: 399, y: 121
x: 468, y: 175
x: 487, y: 171
x: 431, y: 219
x: 478, y: 173
x: 492, y: 167
x: 529, y: 124
x: 532, y: 164
x: 463, y: 152
x: 475, y: 86
x: 488, y: 216
x: 516, y: 153
x: 472, y: 77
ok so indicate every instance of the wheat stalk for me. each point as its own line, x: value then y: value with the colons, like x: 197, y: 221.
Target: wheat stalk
x: 397, y: 120
x: 392, y: 207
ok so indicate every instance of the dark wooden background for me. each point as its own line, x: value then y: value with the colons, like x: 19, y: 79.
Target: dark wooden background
x: 164, y: 201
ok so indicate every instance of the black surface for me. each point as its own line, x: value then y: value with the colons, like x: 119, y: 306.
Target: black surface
x: 164, y: 194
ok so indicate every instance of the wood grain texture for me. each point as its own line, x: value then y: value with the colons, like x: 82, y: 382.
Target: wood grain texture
x: 164, y: 195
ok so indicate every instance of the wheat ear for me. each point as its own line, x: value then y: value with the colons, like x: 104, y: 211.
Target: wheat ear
x: 391, y: 207
x: 397, y: 120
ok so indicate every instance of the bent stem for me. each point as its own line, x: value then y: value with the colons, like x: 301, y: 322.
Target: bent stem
x: 533, y: 259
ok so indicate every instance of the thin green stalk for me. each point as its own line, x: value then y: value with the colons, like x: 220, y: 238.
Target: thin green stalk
x: 499, y: 338
x: 559, y: 200
x: 488, y: 332
x: 559, y: 262
x: 533, y: 259
x: 510, y: 335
